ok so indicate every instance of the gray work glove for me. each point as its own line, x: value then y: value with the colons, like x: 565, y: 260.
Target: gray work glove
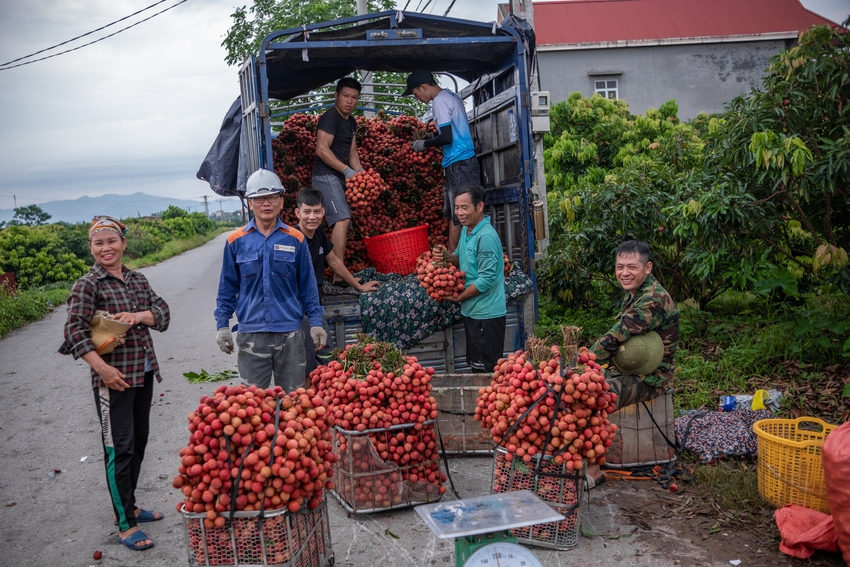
x: 319, y: 336
x: 224, y: 338
x: 419, y: 146
x: 348, y: 172
x: 428, y: 136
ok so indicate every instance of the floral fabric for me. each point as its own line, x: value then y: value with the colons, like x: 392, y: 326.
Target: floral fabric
x: 400, y: 311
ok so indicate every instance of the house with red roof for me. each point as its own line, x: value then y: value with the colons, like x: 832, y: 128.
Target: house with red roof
x: 702, y: 53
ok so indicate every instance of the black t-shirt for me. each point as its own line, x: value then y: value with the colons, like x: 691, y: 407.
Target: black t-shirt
x: 343, y: 131
x: 319, y: 247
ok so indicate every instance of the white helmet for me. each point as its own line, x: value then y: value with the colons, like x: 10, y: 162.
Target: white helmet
x: 263, y: 182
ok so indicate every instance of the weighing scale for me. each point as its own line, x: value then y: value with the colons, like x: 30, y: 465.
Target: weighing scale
x: 481, y: 527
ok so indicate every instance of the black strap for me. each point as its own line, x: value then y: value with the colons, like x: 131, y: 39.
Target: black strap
x: 446, y: 460
x: 450, y: 412
x: 687, y: 431
x: 234, y: 490
x: 673, y: 444
x: 261, y: 513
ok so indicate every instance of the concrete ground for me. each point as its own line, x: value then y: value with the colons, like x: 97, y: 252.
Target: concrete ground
x: 54, y: 509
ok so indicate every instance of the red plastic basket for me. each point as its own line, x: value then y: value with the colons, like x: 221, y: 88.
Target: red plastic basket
x: 396, y: 252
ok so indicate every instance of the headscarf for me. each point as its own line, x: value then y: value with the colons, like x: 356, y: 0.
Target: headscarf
x: 103, y: 222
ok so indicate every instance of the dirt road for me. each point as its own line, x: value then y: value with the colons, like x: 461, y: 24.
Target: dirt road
x: 58, y: 519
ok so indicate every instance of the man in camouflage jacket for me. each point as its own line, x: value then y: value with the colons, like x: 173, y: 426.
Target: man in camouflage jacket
x: 646, y: 307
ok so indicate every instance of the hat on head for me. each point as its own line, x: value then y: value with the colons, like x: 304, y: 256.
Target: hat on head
x: 416, y: 78
x: 261, y: 183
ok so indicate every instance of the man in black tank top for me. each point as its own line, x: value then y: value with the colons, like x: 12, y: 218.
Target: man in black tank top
x: 337, y: 159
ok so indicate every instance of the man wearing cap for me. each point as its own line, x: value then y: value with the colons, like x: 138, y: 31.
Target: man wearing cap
x: 267, y: 279
x: 460, y: 166
x: 337, y: 159
x: 646, y: 307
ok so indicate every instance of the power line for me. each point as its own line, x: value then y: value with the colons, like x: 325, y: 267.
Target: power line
x: 449, y: 9
x: 81, y: 36
x: 92, y: 42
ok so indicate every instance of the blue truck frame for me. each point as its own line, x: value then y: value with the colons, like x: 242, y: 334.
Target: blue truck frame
x: 492, y: 58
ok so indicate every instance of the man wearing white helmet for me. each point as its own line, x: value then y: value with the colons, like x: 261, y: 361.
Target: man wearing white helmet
x: 267, y: 280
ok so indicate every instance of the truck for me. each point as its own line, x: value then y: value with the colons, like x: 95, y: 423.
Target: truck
x: 494, y: 59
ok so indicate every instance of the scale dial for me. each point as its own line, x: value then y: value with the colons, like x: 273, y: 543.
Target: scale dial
x: 502, y: 554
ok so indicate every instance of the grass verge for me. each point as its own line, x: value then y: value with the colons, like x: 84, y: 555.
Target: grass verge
x: 29, y: 305
x: 32, y: 304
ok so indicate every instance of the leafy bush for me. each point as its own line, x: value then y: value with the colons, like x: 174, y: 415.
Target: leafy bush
x: 38, y: 256
x: 144, y: 236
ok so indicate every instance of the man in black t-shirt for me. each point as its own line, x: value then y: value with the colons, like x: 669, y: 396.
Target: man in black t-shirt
x: 337, y: 159
x: 310, y: 210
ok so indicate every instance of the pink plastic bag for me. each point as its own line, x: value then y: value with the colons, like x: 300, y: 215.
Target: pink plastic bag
x: 804, y: 531
x: 835, y: 455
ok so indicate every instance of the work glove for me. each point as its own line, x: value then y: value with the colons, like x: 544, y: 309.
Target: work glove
x: 319, y: 336
x: 224, y: 338
x: 348, y: 172
x: 428, y: 136
x: 419, y: 146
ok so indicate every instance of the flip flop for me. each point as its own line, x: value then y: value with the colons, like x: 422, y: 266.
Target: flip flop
x: 131, y: 540
x: 147, y: 516
x: 144, y: 516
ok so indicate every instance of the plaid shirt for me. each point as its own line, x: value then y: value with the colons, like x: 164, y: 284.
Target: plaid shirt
x: 99, y: 290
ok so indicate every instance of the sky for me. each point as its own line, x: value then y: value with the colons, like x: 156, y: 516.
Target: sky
x: 138, y: 111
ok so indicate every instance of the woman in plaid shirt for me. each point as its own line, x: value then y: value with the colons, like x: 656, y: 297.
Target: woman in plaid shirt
x: 122, y: 379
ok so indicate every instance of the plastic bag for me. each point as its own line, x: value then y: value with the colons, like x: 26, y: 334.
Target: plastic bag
x: 835, y: 455
x: 804, y: 531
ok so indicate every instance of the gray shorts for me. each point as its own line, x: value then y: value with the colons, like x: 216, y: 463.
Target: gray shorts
x: 263, y: 355
x: 456, y: 175
x: 314, y: 359
x: 333, y: 190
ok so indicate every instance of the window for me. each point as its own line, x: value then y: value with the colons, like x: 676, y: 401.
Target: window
x: 607, y: 88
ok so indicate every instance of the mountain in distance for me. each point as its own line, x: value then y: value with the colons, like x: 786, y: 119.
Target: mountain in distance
x: 123, y: 206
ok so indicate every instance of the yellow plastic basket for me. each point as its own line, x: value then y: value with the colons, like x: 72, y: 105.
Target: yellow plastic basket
x: 789, y: 462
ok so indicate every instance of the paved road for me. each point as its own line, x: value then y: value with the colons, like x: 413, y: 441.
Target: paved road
x: 48, y: 422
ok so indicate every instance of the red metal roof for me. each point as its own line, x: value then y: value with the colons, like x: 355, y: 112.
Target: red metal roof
x: 595, y: 21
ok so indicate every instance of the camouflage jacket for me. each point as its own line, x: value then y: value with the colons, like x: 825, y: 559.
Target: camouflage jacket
x: 650, y: 309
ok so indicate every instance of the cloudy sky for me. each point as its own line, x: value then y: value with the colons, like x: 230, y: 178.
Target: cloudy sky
x: 138, y: 111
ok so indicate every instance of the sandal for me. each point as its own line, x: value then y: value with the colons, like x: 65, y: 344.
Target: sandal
x: 131, y: 540
x: 145, y: 516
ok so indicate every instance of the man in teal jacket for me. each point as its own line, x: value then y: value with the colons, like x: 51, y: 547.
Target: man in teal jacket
x: 482, y: 302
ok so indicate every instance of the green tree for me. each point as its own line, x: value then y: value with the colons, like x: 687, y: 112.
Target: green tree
x: 31, y: 215
x: 173, y: 212
x: 252, y: 24
x: 788, y: 145
x: 618, y: 176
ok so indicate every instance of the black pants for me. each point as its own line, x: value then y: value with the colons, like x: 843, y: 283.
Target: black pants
x: 125, y: 423
x: 485, y: 342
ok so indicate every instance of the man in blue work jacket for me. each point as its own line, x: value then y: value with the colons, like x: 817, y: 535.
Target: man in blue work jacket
x: 267, y: 279
x: 482, y: 302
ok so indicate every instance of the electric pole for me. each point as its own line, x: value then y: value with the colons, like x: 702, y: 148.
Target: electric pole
x: 206, y: 205
x: 220, y: 206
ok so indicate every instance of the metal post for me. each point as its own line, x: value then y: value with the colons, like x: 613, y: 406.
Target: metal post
x: 525, y: 9
x: 366, y: 97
